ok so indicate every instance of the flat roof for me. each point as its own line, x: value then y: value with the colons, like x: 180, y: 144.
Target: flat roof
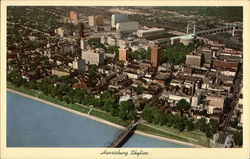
x: 187, y: 36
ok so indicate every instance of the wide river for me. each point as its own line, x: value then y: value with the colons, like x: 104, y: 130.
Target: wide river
x: 31, y: 123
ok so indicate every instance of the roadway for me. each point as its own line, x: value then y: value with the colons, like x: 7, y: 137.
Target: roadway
x: 235, y: 98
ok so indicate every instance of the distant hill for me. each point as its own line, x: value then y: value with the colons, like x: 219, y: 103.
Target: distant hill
x: 230, y: 14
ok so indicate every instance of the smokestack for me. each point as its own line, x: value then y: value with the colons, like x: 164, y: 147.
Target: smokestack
x: 187, y: 28
x: 81, y: 32
x: 194, y: 29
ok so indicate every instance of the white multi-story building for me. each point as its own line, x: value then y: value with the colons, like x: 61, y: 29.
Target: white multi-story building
x: 60, y: 32
x: 127, y: 26
x: 79, y: 64
x: 123, y: 43
x: 93, y: 57
x: 118, y: 18
x: 84, y: 44
x: 215, y: 102
x: 111, y: 40
x: 176, y: 98
x: 150, y: 32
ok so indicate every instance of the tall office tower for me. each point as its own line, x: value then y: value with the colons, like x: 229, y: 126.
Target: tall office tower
x: 83, y: 43
x: 96, y: 20
x: 156, y: 52
x: 124, y: 54
x: 118, y: 18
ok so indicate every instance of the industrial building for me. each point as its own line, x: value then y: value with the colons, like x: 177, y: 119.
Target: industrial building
x: 127, y: 26
x: 163, y: 42
x: 118, y: 18
x: 93, y: 57
x: 96, y: 20
x: 156, y: 52
x: 150, y: 32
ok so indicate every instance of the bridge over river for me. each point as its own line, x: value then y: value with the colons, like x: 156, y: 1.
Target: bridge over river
x: 124, y: 135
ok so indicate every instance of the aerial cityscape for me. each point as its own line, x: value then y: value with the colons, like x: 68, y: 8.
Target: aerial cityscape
x: 124, y: 76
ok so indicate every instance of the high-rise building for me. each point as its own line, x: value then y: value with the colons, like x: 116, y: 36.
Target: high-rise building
x: 124, y: 54
x: 96, y: 20
x: 156, y: 52
x: 81, y: 31
x: 79, y: 65
x: 93, y: 57
x: 118, y: 18
x: 83, y: 44
x: 73, y: 16
x: 127, y: 26
x: 207, y: 56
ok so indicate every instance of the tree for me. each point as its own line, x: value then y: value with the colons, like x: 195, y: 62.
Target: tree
x: 183, y: 104
x: 139, y: 89
x: 181, y: 124
x: 131, y: 115
x: 157, y: 115
x: 108, y: 103
x: 189, y: 125
x: 94, y: 41
x: 145, y: 54
x: 124, y: 109
x: 201, y: 124
x: 14, y: 74
x: 238, y: 138
x: 163, y: 118
x: 170, y: 119
x: 67, y: 99
x: 214, y: 125
x: 209, y: 134
x: 92, y: 72
x: 176, y: 54
x: 147, y: 113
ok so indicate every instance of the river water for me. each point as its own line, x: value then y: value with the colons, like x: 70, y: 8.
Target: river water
x: 31, y: 123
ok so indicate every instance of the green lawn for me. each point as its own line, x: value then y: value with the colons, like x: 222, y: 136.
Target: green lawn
x: 109, y: 117
x: 22, y: 89
x: 169, y: 132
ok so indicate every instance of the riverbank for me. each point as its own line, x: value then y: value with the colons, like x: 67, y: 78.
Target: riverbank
x: 103, y: 120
